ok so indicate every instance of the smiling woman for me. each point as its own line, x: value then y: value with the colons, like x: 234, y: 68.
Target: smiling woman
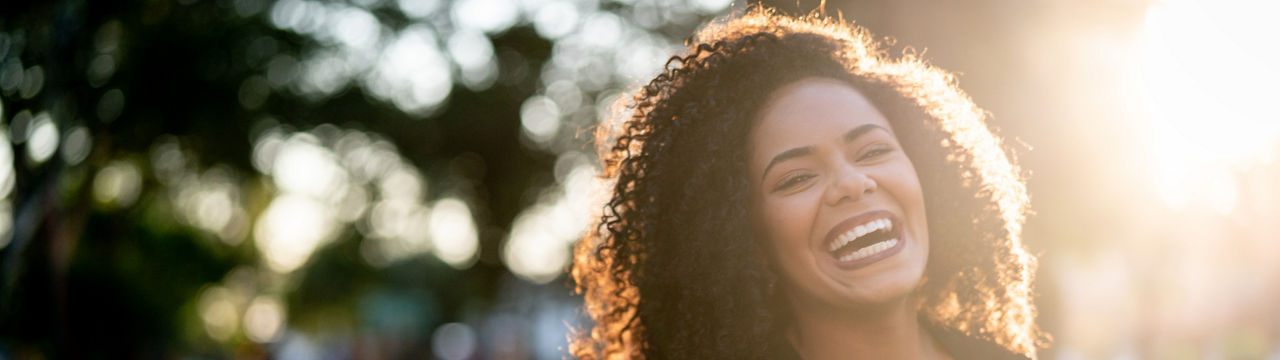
x: 785, y: 190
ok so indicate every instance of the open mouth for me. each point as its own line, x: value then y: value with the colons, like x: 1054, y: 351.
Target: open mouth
x: 865, y: 239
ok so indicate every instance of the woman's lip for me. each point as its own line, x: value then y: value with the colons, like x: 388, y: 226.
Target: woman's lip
x: 852, y: 223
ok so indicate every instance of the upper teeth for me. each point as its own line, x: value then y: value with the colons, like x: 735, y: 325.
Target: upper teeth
x: 861, y: 230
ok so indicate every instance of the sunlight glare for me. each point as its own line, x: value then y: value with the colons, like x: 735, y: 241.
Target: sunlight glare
x: 1208, y: 86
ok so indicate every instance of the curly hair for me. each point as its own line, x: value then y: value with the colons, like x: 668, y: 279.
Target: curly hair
x: 670, y: 269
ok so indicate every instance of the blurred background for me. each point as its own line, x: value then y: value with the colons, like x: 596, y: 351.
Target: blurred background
x: 386, y: 179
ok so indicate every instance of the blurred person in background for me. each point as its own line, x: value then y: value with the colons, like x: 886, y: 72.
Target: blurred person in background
x: 786, y: 190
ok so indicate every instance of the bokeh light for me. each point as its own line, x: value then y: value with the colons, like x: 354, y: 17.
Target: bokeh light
x: 264, y: 319
x: 117, y: 184
x: 7, y: 175
x: 537, y: 248
x: 41, y: 138
x: 218, y: 312
x: 453, y: 232
x: 7, y: 180
x: 291, y: 228
x: 454, y: 341
x: 76, y: 145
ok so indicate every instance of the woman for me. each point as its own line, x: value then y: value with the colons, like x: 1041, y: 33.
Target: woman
x: 785, y: 190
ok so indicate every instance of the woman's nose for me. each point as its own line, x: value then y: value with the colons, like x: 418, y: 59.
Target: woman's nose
x: 848, y: 184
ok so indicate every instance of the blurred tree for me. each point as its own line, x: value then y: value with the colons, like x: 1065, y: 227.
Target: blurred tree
x: 86, y: 280
x: 215, y: 177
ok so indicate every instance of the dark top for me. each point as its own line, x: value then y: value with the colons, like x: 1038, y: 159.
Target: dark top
x: 955, y: 343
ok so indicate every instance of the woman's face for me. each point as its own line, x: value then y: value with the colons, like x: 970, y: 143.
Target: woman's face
x: 835, y: 196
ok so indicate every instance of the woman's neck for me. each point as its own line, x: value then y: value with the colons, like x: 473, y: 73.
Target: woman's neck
x: 885, y: 331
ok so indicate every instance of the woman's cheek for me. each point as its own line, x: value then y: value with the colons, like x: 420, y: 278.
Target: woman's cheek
x: 789, y: 222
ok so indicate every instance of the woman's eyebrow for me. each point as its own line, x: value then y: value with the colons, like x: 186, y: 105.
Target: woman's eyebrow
x: 860, y: 130
x: 786, y: 155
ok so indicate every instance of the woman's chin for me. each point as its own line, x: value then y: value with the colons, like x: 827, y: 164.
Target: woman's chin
x: 885, y: 292
x: 890, y: 279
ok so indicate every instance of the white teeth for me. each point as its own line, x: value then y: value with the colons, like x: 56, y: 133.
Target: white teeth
x: 870, y: 250
x: 859, y: 231
x: 840, y: 241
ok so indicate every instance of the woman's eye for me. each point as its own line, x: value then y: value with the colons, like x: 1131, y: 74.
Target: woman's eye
x: 793, y: 181
x: 874, y: 153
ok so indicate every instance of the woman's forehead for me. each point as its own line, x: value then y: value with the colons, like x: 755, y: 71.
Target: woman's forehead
x: 812, y: 110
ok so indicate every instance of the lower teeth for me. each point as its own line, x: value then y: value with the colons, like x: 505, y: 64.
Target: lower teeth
x: 870, y: 250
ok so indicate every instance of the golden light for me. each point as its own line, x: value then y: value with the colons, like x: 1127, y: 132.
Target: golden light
x: 1185, y: 267
x: 1208, y: 81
